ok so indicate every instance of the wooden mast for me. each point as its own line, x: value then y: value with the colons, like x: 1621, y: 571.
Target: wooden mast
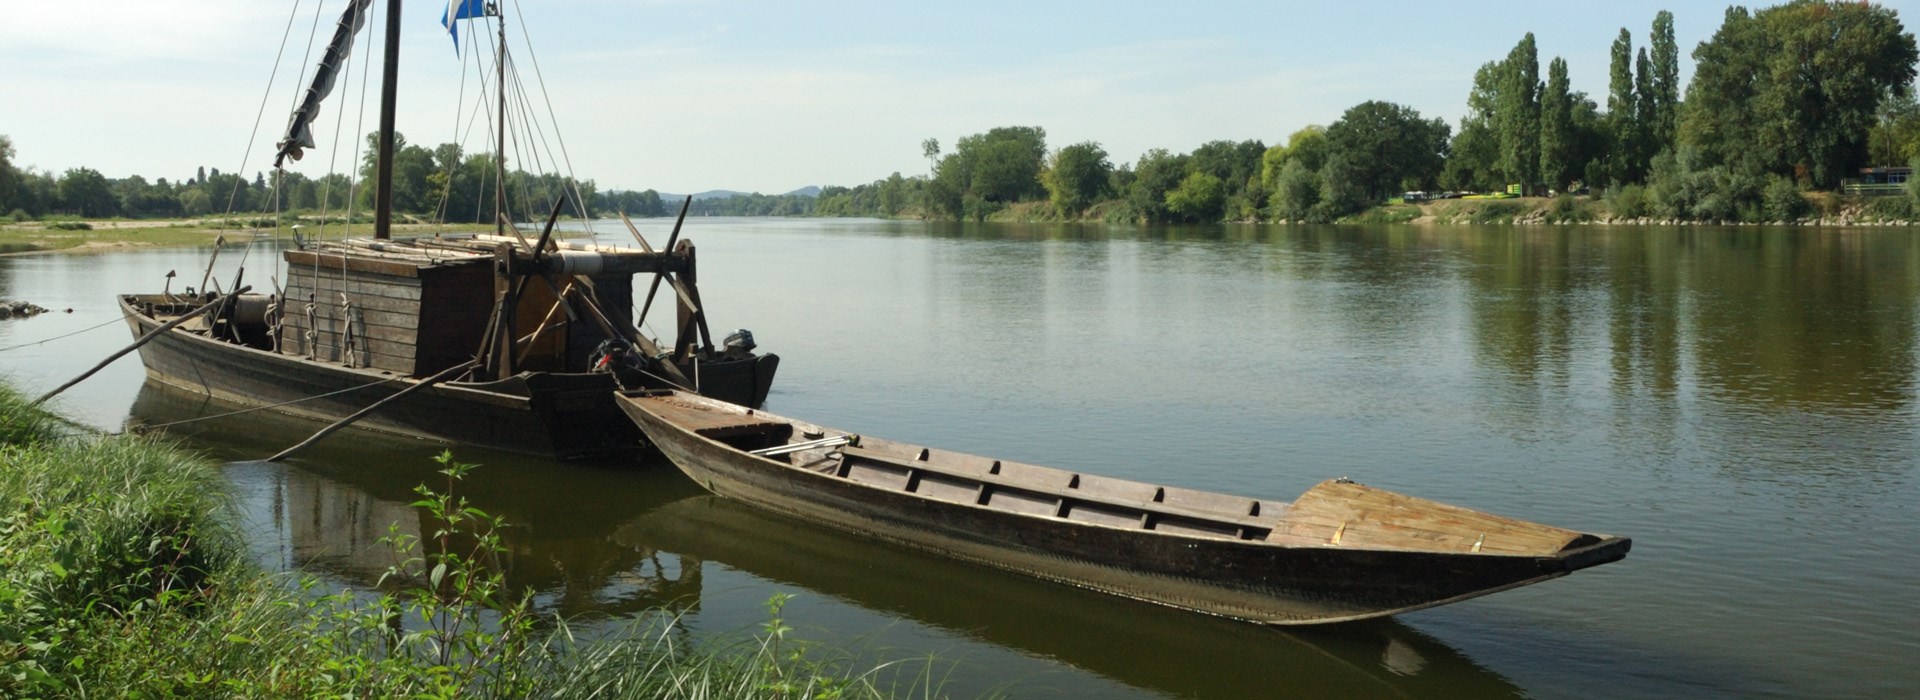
x: 389, y: 90
x: 500, y: 145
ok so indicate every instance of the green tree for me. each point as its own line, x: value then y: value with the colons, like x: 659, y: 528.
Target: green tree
x: 1557, y: 138
x: 86, y: 192
x: 1666, y: 84
x: 1895, y: 137
x: 1474, y: 163
x: 1077, y: 176
x: 1796, y: 89
x: 195, y: 202
x: 1295, y: 192
x: 986, y: 171
x: 1386, y: 147
x: 1308, y: 145
x: 9, y: 179
x: 1157, y: 173
x: 1623, y: 164
x: 1200, y: 198
x: 1518, y: 114
x: 1645, y: 110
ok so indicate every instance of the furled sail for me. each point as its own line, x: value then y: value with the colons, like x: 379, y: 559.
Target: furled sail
x: 299, y: 128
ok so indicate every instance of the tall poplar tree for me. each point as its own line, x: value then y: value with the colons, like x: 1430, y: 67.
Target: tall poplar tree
x: 1556, y: 128
x: 1666, y: 84
x: 1518, y: 114
x: 1644, y: 112
x: 1620, y: 108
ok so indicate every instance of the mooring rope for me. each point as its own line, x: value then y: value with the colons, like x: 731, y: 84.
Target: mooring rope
x: 67, y: 335
x: 155, y: 426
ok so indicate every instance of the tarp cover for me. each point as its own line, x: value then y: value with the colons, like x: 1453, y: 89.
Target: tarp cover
x: 300, y: 127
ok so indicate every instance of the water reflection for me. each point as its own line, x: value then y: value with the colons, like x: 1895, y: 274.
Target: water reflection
x: 1141, y: 645
x: 330, y: 514
x: 615, y: 541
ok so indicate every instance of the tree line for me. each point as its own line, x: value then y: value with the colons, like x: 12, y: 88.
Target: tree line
x: 441, y: 183
x: 1784, y: 99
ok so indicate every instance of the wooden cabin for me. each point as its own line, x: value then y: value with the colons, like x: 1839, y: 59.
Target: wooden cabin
x: 416, y: 307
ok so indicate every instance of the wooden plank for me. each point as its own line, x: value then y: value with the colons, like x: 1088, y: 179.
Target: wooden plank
x: 1361, y: 516
x: 391, y: 348
x: 405, y: 307
x: 331, y: 291
x: 704, y: 419
x: 1028, y: 478
x: 336, y: 261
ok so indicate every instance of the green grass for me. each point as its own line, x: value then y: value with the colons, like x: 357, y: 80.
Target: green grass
x: 121, y: 575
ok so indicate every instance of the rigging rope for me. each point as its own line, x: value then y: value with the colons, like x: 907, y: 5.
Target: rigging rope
x: 67, y: 335
x: 240, y: 177
x: 573, y: 178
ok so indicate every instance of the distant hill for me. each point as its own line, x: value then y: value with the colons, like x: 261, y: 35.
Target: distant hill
x: 808, y: 191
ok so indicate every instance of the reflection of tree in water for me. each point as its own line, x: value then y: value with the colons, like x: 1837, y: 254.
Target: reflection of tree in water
x: 1137, y: 644
x: 330, y: 512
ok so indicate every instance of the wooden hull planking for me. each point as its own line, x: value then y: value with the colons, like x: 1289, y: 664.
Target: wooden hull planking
x: 564, y: 415
x: 1223, y: 555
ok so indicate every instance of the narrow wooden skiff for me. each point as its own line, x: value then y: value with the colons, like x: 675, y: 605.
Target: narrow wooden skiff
x: 1341, y: 551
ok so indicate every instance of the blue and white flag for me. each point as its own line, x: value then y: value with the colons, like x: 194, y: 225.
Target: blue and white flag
x: 459, y: 10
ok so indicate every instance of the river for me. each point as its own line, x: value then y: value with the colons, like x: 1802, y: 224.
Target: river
x: 1742, y: 402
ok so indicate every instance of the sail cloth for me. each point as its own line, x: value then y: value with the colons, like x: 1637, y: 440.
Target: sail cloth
x: 458, y: 10
x: 300, y: 127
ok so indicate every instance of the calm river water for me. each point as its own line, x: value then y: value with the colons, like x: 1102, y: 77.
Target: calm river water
x: 1742, y: 402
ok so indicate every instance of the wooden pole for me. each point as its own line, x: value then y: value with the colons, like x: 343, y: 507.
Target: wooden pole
x: 444, y: 375
x: 155, y: 333
x: 675, y: 236
x: 389, y: 94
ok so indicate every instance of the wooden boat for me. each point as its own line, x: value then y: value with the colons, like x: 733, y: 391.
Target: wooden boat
x: 504, y: 340
x: 1341, y: 551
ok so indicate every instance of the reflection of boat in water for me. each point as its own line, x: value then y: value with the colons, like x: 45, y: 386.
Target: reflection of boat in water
x: 1340, y: 552
x: 507, y: 341
x: 327, y: 514
x: 1142, y: 646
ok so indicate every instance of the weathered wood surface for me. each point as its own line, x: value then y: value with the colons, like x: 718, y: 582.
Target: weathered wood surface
x: 1189, y: 549
x: 1353, y: 515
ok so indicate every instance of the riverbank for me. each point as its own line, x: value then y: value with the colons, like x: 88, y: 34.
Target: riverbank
x: 81, y: 235
x: 1820, y: 209
x: 122, y: 573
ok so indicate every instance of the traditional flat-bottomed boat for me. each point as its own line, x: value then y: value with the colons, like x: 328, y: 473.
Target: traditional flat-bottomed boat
x: 1341, y: 551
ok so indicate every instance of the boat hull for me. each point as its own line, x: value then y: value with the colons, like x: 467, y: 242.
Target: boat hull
x: 562, y: 415
x: 1243, y: 579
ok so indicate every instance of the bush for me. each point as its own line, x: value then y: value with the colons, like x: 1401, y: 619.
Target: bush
x: 70, y: 226
x: 1892, y: 209
x: 1568, y: 209
x: 1628, y: 202
x: 19, y: 216
x: 1784, y: 201
x: 1497, y: 212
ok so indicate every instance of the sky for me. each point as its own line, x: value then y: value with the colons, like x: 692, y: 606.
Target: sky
x: 692, y: 95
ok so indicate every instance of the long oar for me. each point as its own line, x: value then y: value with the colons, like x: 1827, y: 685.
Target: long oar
x: 662, y: 273
x: 155, y: 333
x: 444, y: 375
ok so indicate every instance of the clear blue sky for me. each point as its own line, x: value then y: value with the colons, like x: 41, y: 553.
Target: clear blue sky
x: 692, y: 95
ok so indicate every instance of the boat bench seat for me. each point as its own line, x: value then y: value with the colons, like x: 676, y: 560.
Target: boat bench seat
x: 1068, y: 498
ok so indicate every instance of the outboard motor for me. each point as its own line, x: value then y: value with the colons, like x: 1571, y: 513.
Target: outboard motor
x: 739, y: 344
x: 611, y: 355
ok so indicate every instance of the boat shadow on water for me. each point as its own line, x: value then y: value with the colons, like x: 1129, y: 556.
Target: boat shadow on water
x: 614, y: 539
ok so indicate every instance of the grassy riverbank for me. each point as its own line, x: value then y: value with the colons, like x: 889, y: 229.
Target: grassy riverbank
x: 81, y: 235
x: 122, y: 574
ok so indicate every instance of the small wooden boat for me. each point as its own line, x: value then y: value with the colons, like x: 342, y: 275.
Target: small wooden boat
x: 1341, y: 551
